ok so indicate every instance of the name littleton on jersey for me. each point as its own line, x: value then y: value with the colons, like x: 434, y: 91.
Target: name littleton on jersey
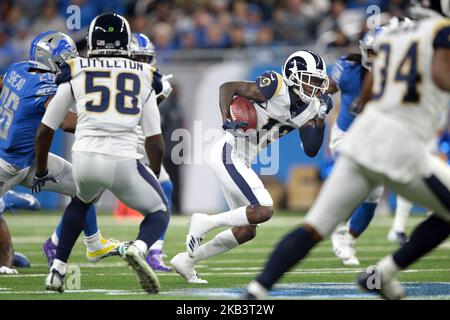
x: 116, y: 63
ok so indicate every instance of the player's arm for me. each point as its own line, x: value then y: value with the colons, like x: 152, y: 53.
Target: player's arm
x: 366, y: 92
x: 311, y: 135
x: 151, y: 126
x: 440, y: 68
x: 228, y: 90
x: 1, y: 82
x: 69, y: 123
x: 56, y: 111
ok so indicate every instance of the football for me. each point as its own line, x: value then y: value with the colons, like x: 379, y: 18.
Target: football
x: 241, y: 109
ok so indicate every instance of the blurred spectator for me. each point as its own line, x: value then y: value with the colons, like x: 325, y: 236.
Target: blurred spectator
x: 162, y: 35
x: 265, y: 36
x: 49, y: 19
x: 237, y: 37
x: 7, y: 52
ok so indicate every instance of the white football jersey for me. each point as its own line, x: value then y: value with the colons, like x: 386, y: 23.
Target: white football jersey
x: 111, y: 95
x: 283, y: 112
x: 403, y: 86
x: 392, y: 135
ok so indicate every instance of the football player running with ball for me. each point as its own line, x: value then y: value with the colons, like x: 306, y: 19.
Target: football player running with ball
x: 409, y: 85
x: 112, y: 95
x: 283, y: 103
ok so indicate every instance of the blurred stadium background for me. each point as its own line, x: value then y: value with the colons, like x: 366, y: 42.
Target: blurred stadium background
x: 203, y: 44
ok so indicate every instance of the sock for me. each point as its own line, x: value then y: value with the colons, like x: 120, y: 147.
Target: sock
x: 59, y: 266
x: 232, y: 218
x: 54, y: 237
x: 2, y: 205
x: 72, y: 224
x: 361, y: 218
x: 222, y: 242
x: 401, y: 214
x: 141, y: 245
x: 167, y: 187
x: 388, y: 268
x: 158, y: 245
x: 427, y: 236
x: 153, y: 225
x: 94, y: 242
x: 294, y: 247
x: 90, y: 226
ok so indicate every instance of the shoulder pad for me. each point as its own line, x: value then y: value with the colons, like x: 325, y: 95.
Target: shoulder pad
x: 270, y: 84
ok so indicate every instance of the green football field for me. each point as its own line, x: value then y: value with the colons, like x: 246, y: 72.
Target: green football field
x: 320, y: 276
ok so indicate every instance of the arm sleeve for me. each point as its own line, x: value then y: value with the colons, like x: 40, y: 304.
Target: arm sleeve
x: 151, y: 119
x: 157, y: 84
x: 312, y: 139
x: 58, y: 107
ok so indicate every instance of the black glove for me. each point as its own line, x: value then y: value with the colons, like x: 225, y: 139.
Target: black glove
x: 234, y: 126
x: 40, y: 180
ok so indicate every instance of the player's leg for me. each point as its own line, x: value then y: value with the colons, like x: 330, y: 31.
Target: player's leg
x: 88, y: 173
x: 344, y: 237
x: 237, y: 177
x: 96, y: 246
x: 222, y: 242
x: 6, y: 249
x: 397, y: 233
x: 135, y: 185
x: 155, y: 254
x: 346, y: 187
x: 432, y: 192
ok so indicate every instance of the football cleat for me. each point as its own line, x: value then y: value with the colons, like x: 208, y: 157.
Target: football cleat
x: 110, y: 248
x: 184, y: 265
x: 54, y: 281
x: 20, y: 260
x: 146, y: 276
x: 389, y: 289
x: 49, y: 249
x: 19, y: 200
x: 255, y: 291
x: 7, y: 271
x: 344, y: 246
x: 198, y: 227
x: 397, y: 237
x: 155, y: 260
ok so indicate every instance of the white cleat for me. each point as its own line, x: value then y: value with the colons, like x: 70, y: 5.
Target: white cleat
x: 198, y: 227
x: 344, y: 246
x: 54, y: 281
x: 184, y: 265
x: 397, y: 237
x: 146, y: 276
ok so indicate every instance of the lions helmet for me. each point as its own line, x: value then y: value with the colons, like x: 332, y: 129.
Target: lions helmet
x: 429, y: 8
x: 50, y: 49
x: 366, y: 47
x: 306, y: 72
x: 109, y: 35
x: 141, y: 48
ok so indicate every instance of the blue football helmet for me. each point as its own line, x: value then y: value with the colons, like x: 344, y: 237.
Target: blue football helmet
x: 141, y: 48
x: 50, y: 49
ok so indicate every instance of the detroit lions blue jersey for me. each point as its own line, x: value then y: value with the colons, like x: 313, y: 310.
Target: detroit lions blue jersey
x: 22, y: 106
x: 347, y: 75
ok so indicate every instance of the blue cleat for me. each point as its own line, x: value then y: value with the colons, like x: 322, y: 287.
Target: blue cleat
x: 19, y: 200
x: 20, y: 260
x: 49, y: 249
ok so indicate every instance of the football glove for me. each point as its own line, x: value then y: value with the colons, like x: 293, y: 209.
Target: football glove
x: 39, y: 181
x: 326, y: 104
x: 235, y: 127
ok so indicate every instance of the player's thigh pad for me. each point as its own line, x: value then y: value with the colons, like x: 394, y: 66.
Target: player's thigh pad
x: 342, y: 192
x: 432, y: 192
x: 61, y: 169
x: 137, y: 186
x: 238, y: 178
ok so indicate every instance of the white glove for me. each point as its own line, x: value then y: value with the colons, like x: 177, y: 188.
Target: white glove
x: 167, y: 87
x: 6, y: 270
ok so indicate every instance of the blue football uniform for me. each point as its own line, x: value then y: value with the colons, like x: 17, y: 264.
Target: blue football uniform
x: 347, y: 75
x: 22, y: 106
